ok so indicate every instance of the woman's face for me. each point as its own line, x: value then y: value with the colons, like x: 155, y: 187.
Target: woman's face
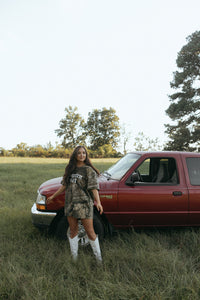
x: 81, y: 155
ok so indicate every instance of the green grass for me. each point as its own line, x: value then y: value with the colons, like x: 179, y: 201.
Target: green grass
x: 137, y: 264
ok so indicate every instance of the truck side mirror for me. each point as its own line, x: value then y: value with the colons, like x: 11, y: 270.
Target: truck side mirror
x: 133, y: 178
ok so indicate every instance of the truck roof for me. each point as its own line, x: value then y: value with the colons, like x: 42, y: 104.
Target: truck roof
x: 166, y: 152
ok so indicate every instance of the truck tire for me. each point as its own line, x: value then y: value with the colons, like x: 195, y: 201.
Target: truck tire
x: 62, y: 228
x: 98, y: 226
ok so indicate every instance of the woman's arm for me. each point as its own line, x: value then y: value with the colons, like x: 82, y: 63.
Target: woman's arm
x: 58, y: 192
x: 97, y: 198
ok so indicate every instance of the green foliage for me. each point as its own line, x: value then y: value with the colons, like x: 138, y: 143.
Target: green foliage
x: 184, y: 109
x: 4, y: 152
x: 180, y: 136
x: 23, y: 150
x: 145, y: 264
x: 71, y: 128
x: 57, y: 152
x: 20, y: 150
x: 104, y: 151
x: 102, y: 128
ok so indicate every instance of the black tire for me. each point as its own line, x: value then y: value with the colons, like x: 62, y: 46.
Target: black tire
x: 54, y: 223
x: 98, y: 226
x: 61, y: 229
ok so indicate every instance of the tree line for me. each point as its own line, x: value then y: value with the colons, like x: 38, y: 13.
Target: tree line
x: 140, y: 143
x: 58, y: 151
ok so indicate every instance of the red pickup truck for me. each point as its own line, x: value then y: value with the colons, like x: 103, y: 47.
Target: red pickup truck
x: 141, y: 189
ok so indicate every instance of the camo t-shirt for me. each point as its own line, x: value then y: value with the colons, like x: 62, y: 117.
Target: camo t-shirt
x: 78, y: 199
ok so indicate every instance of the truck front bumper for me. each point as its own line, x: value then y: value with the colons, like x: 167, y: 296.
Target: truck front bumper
x: 40, y: 218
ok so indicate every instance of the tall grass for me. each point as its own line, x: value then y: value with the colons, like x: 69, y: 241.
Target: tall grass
x: 137, y: 264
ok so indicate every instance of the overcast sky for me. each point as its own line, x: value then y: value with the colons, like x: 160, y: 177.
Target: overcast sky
x: 90, y: 54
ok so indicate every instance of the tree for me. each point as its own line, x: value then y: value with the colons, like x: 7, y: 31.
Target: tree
x: 20, y: 150
x: 144, y: 143
x: 71, y: 128
x: 125, y: 137
x: 184, y: 109
x: 102, y: 128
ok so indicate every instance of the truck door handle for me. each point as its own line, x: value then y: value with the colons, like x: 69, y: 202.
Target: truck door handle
x: 177, y: 193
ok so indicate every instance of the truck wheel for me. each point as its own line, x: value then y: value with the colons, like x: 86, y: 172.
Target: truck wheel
x: 62, y: 228
x: 98, y: 227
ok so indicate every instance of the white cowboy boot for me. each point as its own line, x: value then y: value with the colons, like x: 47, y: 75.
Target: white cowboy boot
x: 74, y: 246
x: 96, y: 249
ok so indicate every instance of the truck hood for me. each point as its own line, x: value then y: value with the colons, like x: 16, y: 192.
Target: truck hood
x: 54, y: 184
x: 51, y: 184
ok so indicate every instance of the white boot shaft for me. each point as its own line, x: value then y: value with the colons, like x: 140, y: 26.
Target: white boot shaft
x: 96, y: 249
x: 74, y: 247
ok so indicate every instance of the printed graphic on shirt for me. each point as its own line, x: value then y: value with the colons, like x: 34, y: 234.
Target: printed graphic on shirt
x: 75, y: 177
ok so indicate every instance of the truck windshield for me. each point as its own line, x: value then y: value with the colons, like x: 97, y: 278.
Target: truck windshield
x: 122, y: 166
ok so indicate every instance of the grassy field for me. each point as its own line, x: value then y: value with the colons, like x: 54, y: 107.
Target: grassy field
x: 142, y: 264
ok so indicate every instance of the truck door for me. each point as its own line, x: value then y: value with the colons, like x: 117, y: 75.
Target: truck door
x: 160, y: 197
x: 191, y: 163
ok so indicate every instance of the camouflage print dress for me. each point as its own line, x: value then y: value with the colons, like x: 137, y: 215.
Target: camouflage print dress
x: 78, y: 199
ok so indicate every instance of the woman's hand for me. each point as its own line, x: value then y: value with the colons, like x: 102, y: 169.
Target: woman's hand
x: 100, y: 208
x: 97, y: 198
x: 58, y: 192
x: 49, y: 199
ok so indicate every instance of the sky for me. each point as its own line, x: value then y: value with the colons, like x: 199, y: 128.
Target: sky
x: 90, y: 54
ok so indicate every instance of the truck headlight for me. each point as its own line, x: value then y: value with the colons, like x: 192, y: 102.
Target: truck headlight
x: 41, y: 202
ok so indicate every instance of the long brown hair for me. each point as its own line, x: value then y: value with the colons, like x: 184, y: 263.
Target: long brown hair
x: 73, y: 164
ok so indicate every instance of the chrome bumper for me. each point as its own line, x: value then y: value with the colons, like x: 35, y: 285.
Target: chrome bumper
x: 40, y: 218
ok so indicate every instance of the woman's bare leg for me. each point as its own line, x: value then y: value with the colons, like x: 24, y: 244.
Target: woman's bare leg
x: 93, y: 238
x: 73, y: 225
x: 88, y: 225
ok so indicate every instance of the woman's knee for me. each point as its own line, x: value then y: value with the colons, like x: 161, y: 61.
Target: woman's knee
x: 91, y: 234
x: 88, y: 226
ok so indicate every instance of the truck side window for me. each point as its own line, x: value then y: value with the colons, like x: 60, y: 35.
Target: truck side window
x: 193, y: 165
x: 159, y: 170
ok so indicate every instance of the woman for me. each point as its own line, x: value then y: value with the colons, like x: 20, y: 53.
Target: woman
x: 81, y: 187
